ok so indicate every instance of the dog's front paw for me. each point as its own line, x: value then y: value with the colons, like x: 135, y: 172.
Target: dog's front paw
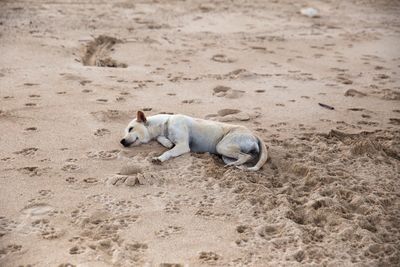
x: 156, y: 160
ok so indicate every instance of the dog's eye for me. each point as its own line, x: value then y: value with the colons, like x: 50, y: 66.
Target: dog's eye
x: 130, y: 129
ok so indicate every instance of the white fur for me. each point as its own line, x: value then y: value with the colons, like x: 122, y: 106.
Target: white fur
x: 182, y: 134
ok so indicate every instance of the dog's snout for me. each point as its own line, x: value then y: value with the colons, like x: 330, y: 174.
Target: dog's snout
x: 124, y: 143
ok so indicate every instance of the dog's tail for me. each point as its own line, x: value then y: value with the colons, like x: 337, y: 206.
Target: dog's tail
x: 263, y: 156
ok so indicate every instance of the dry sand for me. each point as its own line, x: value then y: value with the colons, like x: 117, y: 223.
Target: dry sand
x: 73, y: 74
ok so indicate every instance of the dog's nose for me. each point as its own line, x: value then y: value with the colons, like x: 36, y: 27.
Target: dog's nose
x: 124, y: 143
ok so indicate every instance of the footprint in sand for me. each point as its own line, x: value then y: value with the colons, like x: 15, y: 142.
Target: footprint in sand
x: 388, y: 94
x: 90, y: 180
x: 191, y: 101
x: 103, y: 216
x: 229, y: 115
x: 30, y: 104
x: 6, y: 226
x: 168, y: 231
x: 102, y: 132
x: 30, y: 129
x: 111, y: 115
x: 172, y: 207
x: 71, y: 77
x: 209, y: 257
x: 9, y: 250
x: 45, y: 193
x: 104, y: 155
x: 243, y: 229
x: 77, y: 250
x: 227, y: 92
x: 133, y: 250
x: 70, y: 168
x: 234, y: 94
x: 280, y: 86
x: 279, y: 124
x: 227, y: 111
x: 356, y: 109
x: 368, y: 123
x: 221, y: 90
x: 4, y: 113
x: 84, y: 82
x: 221, y: 58
x: 381, y: 76
x: 354, y: 92
x: 137, y: 246
x: 71, y: 180
x: 344, y: 80
x: 262, y: 49
x: 32, y: 171
x: 30, y: 151
x: 45, y: 229
x: 245, y: 234
x: 268, y: 231
x: 31, y: 84
x: 34, y: 96
x: 394, y: 121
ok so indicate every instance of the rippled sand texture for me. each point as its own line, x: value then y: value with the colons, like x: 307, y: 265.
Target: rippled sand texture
x: 323, y: 92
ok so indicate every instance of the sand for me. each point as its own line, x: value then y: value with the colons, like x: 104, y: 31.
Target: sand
x: 74, y: 73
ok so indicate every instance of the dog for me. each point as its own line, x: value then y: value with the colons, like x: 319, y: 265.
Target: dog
x: 181, y: 134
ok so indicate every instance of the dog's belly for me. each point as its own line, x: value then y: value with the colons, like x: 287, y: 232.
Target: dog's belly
x: 204, y: 137
x: 202, y: 146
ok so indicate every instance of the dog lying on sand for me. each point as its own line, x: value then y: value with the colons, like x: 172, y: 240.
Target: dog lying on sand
x: 236, y: 144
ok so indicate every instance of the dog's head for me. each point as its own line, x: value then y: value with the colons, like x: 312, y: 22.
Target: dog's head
x: 136, y: 133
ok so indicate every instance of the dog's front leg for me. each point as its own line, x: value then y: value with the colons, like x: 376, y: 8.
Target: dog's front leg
x: 165, y: 141
x: 178, y: 150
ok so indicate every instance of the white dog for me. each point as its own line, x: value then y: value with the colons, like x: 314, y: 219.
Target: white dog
x: 182, y: 134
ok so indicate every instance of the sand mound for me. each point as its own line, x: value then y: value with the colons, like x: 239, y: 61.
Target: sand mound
x: 96, y: 53
x: 302, y: 204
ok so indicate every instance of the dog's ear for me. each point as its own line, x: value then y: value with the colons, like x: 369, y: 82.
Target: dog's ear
x: 140, y: 117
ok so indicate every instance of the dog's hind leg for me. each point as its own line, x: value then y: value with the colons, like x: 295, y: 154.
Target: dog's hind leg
x: 243, y: 158
x: 228, y: 160
x: 229, y: 150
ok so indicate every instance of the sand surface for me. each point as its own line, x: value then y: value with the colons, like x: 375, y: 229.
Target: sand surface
x: 74, y: 73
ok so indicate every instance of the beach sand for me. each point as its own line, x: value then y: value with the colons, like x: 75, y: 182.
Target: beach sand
x: 74, y: 73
